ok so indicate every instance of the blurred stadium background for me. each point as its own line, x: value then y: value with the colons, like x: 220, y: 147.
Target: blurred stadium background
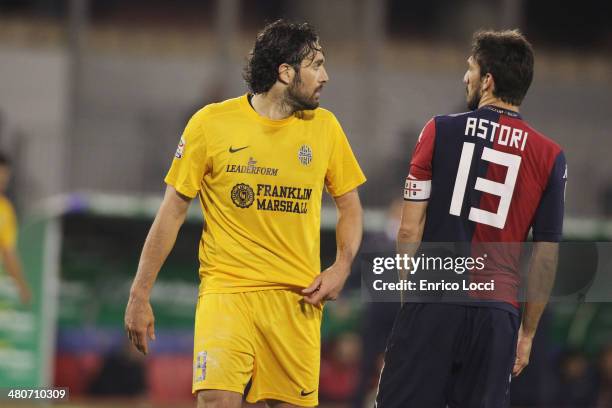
x: 94, y: 95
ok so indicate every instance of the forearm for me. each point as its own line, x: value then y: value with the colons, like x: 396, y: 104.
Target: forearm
x: 157, y: 246
x: 408, y: 241
x: 349, y: 231
x: 540, y: 280
x: 410, y: 232
x: 328, y: 284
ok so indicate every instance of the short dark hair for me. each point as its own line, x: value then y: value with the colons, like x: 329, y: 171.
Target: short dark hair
x: 508, y: 57
x: 278, y: 43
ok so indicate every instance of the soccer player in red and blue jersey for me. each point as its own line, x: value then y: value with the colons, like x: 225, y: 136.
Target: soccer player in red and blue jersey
x: 484, y: 176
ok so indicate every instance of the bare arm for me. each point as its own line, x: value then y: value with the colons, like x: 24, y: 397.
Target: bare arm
x: 540, y: 280
x: 160, y: 241
x: 12, y: 264
x: 349, y: 229
x: 411, y: 228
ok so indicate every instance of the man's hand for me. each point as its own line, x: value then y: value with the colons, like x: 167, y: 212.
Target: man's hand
x: 162, y: 235
x: 327, y: 285
x: 523, y: 350
x: 540, y: 280
x: 139, y: 323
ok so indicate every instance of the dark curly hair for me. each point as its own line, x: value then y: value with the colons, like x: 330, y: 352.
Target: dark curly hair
x: 278, y: 43
x: 508, y: 57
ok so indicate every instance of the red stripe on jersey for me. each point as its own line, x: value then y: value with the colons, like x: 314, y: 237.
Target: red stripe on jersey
x: 537, y: 160
x: 420, y: 164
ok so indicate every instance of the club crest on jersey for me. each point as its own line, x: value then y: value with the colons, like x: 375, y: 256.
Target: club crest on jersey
x: 180, y: 148
x: 199, y: 367
x: 242, y: 195
x: 305, y: 155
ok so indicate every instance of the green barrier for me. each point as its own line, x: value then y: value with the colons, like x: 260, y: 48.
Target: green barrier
x: 27, y: 333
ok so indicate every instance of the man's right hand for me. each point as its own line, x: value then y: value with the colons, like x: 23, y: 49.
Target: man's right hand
x: 160, y: 240
x: 139, y: 323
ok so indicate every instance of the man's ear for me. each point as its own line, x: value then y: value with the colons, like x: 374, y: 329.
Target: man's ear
x: 488, y: 83
x: 285, y: 73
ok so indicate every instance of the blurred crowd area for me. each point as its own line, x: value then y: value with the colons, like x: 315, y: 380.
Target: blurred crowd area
x: 93, y: 98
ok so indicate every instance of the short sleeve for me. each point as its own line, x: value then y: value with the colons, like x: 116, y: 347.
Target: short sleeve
x: 190, y: 162
x: 418, y: 181
x: 8, y: 226
x: 343, y: 172
x: 548, y: 220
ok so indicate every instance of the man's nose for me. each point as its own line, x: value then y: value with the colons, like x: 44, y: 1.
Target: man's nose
x: 324, y: 76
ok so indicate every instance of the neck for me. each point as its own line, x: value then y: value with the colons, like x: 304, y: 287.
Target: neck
x: 272, y: 104
x: 491, y: 100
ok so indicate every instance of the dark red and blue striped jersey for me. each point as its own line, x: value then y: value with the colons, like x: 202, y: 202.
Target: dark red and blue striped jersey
x: 488, y: 177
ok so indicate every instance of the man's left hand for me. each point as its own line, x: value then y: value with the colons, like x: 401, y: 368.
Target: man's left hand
x: 327, y: 285
x: 523, y: 350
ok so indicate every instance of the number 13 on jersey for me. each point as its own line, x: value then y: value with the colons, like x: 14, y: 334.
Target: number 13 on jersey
x: 502, y: 190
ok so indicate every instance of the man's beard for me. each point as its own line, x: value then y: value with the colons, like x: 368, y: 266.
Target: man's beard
x: 296, y: 99
x: 474, y: 100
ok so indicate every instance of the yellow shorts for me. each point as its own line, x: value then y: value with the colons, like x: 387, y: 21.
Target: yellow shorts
x: 271, y: 337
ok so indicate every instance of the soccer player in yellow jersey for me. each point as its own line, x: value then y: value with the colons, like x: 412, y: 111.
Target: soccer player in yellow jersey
x: 8, y: 235
x: 258, y: 164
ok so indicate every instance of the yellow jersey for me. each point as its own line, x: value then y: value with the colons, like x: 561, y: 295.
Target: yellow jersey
x: 260, y: 184
x: 8, y: 224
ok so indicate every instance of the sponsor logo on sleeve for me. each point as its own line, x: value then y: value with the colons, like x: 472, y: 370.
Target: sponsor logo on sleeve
x: 180, y: 149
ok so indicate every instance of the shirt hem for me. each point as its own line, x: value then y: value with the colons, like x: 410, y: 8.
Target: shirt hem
x: 350, y: 188
x: 184, y: 191
x: 213, y: 291
x: 216, y: 386
x: 311, y: 402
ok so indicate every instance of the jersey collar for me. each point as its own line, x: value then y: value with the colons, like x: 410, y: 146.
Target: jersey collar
x: 503, y: 111
x: 246, y: 106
